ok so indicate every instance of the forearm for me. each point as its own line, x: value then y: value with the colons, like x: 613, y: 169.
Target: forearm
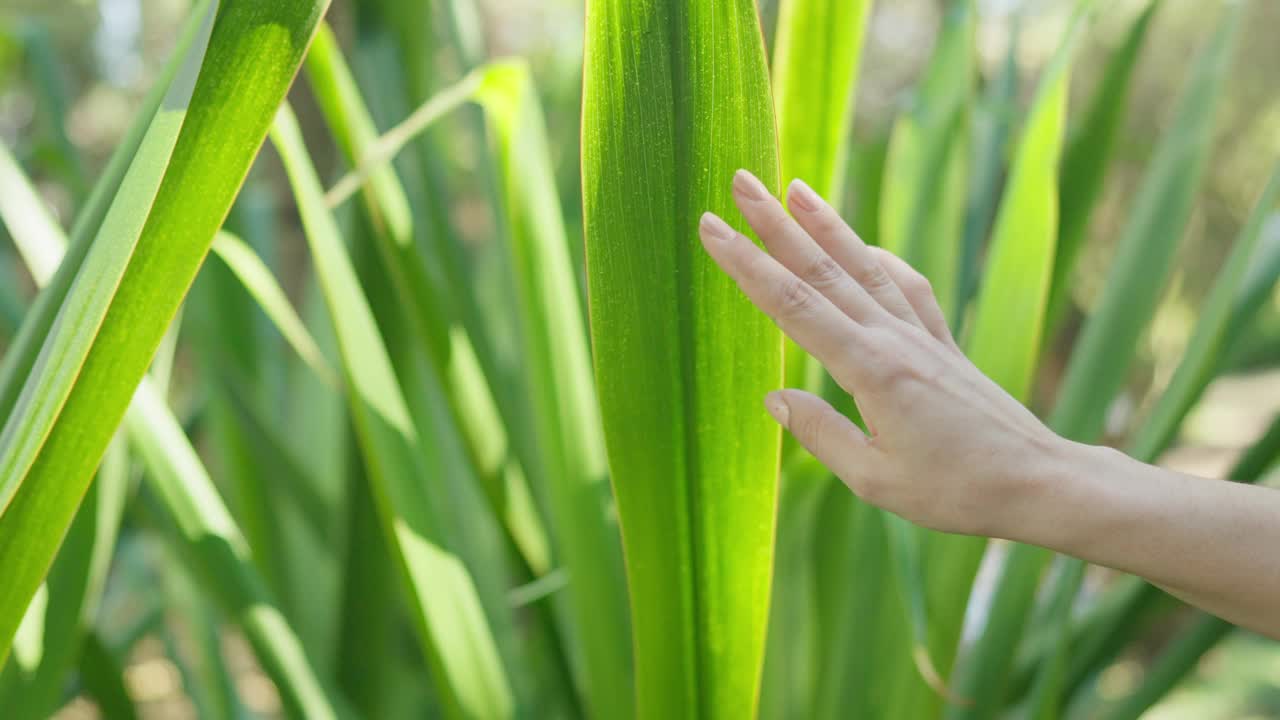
x: 1215, y: 544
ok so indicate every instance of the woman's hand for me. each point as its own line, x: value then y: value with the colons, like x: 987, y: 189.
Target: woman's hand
x: 875, y: 324
x: 952, y: 451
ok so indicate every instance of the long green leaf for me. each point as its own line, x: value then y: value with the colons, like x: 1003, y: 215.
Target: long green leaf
x: 559, y: 365
x: 17, y: 363
x: 1005, y: 342
x: 220, y: 555
x: 445, y: 608
x: 258, y: 42
x: 817, y: 48
x: 74, y: 588
x: 815, y: 70
x: 90, y: 297
x: 34, y: 231
x: 677, y: 99
x: 259, y: 282
x: 993, y: 120
x: 211, y: 539
x: 1089, y: 150
x: 1203, y: 355
x: 816, y: 54
x: 1099, y: 365
x: 1101, y: 361
x: 446, y: 345
x: 923, y: 205
x: 103, y: 679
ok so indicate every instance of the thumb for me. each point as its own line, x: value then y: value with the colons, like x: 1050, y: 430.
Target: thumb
x: 832, y: 438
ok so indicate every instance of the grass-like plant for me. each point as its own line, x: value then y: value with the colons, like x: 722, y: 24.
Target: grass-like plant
x: 459, y: 474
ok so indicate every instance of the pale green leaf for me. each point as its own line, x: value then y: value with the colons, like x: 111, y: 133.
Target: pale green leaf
x: 816, y: 56
x: 452, y: 358
x: 444, y: 605
x: 558, y: 361
x: 262, y: 285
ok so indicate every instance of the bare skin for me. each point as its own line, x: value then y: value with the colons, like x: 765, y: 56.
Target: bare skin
x: 950, y: 450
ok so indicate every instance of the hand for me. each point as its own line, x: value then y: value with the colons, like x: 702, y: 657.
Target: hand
x: 949, y: 449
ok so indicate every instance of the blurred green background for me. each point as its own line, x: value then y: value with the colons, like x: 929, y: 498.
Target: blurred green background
x: 91, y: 62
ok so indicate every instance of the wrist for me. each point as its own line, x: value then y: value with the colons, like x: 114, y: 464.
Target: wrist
x: 1066, y: 494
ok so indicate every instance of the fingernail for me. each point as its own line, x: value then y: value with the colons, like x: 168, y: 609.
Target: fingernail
x: 777, y: 407
x: 749, y: 187
x: 713, y: 227
x: 800, y: 195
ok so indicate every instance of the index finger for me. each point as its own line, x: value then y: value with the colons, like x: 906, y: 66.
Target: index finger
x: 803, y: 313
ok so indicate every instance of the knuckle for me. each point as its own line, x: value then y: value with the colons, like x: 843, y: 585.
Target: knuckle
x: 795, y: 297
x: 919, y: 285
x: 822, y: 271
x: 873, y: 276
x: 896, y: 371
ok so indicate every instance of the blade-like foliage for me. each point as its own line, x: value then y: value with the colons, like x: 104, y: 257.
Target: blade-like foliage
x: 1089, y: 149
x: 444, y: 605
x: 89, y: 299
x: 32, y: 227
x: 52, y: 454
x: 1101, y: 361
x: 559, y: 366
x: 817, y: 48
x: 212, y: 543
x: 923, y: 205
x: 816, y: 53
x: 676, y: 98
x: 1200, y: 361
x: 446, y: 346
x: 1099, y: 365
x: 1005, y: 342
x: 218, y: 553
x: 993, y: 121
x: 261, y: 284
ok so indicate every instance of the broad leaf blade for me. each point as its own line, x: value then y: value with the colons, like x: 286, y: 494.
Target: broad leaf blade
x: 677, y: 99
